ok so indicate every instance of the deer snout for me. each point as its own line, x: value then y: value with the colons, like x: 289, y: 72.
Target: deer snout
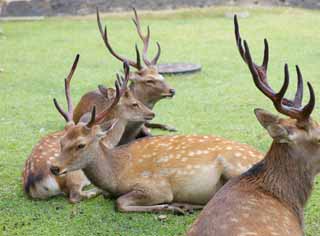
x: 149, y: 116
x: 172, y: 92
x: 55, y: 170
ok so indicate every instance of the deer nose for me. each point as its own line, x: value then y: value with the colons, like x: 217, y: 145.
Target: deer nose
x: 150, y: 116
x: 172, y: 91
x: 55, y: 170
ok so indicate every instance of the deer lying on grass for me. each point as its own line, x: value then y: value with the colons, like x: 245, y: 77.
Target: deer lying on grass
x: 147, y: 85
x: 269, y: 198
x: 161, y: 173
x: 39, y: 182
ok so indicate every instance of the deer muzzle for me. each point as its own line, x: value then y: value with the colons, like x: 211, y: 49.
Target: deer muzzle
x: 55, y: 170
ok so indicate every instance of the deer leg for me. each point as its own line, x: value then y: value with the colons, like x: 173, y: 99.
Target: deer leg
x: 76, y: 194
x: 75, y: 182
x: 189, y: 208
x: 144, y: 132
x: 161, y: 126
x: 139, y: 201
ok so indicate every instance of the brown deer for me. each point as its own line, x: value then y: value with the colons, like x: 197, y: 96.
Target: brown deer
x: 39, y: 182
x: 161, y: 173
x: 147, y: 85
x: 269, y: 198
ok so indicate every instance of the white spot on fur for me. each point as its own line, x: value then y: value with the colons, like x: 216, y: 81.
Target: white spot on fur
x: 238, y: 154
x: 163, y: 159
x: 199, y: 152
x: 145, y: 173
x: 191, y: 154
x: 234, y: 220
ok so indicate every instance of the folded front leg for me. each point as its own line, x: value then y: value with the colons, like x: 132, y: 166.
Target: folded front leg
x: 147, y: 201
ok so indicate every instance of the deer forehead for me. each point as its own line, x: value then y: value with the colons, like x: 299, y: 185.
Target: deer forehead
x: 75, y: 133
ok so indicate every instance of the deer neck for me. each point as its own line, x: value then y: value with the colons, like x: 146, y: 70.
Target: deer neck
x: 285, y: 174
x: 132, y: 130
x: 114, y: 136
x: 100, y: 170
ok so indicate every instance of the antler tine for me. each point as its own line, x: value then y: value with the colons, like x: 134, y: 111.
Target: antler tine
x: 104, y: 35
x: 307, y: 110
x: 145, y: 40
x: 157, y: 56
x: 262, y: 70
x: 93, y: 118
x: 60, y: 110
x: 121, y: 86
x: 297, y: 102
x: 279, y: 102
x: 68, y: 116
x: 299, y: 113
x: 264, y: 88
x: 139, y: 66
x: 238, y: 38
x: 67, y: 85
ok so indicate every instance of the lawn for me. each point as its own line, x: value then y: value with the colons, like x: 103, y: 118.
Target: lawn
x: 36, y: 57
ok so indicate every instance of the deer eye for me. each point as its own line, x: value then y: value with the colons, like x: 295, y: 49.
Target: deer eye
x: 135, y: 105
x: 81, y: 146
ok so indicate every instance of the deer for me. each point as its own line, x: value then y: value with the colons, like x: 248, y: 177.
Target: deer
x: 147, y: 85
x: 38, y: 180
x: 269, y: 198
x: 171, y: 173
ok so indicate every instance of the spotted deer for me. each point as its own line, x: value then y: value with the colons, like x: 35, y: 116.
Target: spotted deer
x: 161, y: 173
x: 269, y: 198
x: 39, y: 182
x: 147, y: 85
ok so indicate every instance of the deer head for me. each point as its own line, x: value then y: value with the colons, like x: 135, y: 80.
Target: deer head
x: 82, y: 139
x: 299, y: 131
x: 146, y: 83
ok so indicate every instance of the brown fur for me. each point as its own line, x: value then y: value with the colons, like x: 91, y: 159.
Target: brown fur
x: 152, y: 174
x: 147, y: 85
x: 269, y: 198
x: 37, y: 179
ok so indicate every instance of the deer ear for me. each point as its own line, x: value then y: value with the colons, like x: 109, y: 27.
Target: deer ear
x: 102, y: 130
x: 103, y: 90
x: 106, y: 126
x: 271, y: 123
x: 111, y: 137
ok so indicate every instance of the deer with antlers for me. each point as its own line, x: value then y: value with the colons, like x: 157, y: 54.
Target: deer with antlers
x: 147, y: 85
x: 160, y: 173
x: 38, y: 180
x: 269, y: 198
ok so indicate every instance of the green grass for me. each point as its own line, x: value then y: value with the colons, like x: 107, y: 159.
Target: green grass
x: 36, y: 56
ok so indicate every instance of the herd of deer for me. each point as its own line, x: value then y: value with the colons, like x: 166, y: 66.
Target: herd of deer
x: 106, y: 142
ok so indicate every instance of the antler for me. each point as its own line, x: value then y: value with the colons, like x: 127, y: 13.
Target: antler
x: 145, y: 39
x: 104, y: 35
x: 68, y: 116
x: 121, y: 86
x: 262, y: 69
x: 294, y: 111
